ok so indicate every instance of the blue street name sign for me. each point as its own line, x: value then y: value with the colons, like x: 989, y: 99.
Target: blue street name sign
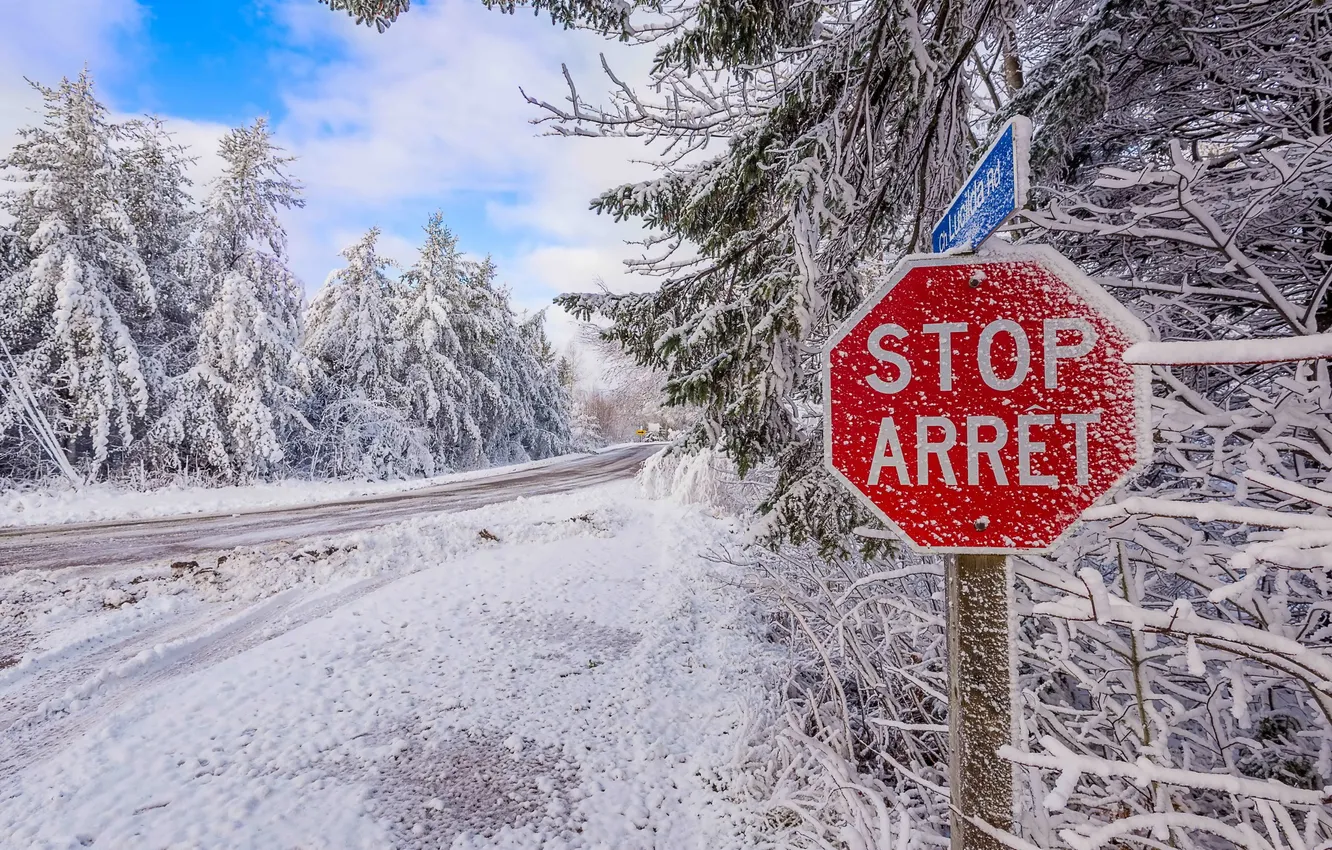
x: 996, y: 189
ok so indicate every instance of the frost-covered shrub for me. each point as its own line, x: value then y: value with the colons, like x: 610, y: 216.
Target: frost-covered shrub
x: 699, y: 478
x: 1174, y: 655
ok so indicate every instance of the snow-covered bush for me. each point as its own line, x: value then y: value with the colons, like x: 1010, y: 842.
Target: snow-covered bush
x: 704, y: 477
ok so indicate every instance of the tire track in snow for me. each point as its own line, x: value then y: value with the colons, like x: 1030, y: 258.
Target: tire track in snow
x: 38, y: 724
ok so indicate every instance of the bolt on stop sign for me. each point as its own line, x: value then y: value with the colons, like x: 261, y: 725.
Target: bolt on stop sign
x: 981, y: 404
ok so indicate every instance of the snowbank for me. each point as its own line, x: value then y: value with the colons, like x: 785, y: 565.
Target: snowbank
x: 57, y: 503
x: 563, y: 672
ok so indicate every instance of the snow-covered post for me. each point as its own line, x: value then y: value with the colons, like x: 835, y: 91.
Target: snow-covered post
x: 979, y: 590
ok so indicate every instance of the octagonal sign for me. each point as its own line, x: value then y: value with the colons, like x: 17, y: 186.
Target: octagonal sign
x: 981, y: 404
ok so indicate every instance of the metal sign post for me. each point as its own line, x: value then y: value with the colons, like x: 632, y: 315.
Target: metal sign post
x: 978, y: 405
x: 981, y: 680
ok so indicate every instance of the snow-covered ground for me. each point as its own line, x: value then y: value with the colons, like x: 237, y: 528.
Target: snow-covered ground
x: 560, y: 672
x: 57, y: 503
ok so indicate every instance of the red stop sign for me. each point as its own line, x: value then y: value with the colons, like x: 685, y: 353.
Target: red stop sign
x: 982, y: 404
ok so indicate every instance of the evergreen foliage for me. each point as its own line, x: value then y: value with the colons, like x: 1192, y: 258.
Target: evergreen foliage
x: 349, y: 325
x: 379, y: 14
x: 232, y: 413
x: 156, y: 197
x: 837, y: 153
x: 484, y: 382
x: 443, y: 394
x: 362, y: 426
x: 145, y: 337
x: 541, y: 405
x: 80, y: 298
x: 521, y: 407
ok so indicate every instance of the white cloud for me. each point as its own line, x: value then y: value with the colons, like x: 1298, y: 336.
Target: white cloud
x: 200, y: 139
x: 406, y: 120
x: 47, y: 40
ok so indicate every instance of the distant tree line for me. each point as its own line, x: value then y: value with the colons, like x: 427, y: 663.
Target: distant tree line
x: 142, y: 335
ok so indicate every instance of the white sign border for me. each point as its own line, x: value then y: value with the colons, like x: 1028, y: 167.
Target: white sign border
x: 1079, y: 282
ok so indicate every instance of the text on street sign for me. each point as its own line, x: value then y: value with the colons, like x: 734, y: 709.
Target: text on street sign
x: 996, y: 189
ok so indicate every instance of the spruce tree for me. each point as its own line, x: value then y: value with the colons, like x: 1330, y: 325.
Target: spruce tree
x: 157, y: 200
x: 517, y: 400
x: 233, y: 412
x: 79, y: 297
x: 547, y: 406
x: 359, y: 405
x: 375, y: 13
x: 494, y: 362
x: 433, y: 326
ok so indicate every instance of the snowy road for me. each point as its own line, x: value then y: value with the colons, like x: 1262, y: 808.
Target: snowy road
x: 139, y: 541
x: 567, y: 671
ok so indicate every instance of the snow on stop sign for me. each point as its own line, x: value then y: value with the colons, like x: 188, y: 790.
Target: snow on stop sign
x: 981, y: 404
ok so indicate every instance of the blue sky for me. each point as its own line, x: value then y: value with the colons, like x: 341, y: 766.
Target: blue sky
x: 386, y: 128
x: 209, y: 60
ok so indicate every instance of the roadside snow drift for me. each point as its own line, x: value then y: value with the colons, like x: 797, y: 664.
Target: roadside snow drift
x: 561, y: 672
x: 57, y: 503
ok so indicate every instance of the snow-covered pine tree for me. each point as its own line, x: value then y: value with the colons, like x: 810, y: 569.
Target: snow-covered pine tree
x: 1173, y: 667
x: 358, y: 406
x: 21, y: 456
x: 442, y: 392
x: 484, y: 383
x: 374, y: 13
x: 156, y: 191
x: 847, y: 128
x: 482, y: 330
x: 522, y: 410
x: 547, y: 405
x: 79, y: 296
x: 233, y: 411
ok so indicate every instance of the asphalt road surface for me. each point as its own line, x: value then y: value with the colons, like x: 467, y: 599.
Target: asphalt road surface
x: 142, y: 540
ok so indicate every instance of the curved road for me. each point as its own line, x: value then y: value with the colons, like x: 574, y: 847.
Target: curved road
x: 140, y: 540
